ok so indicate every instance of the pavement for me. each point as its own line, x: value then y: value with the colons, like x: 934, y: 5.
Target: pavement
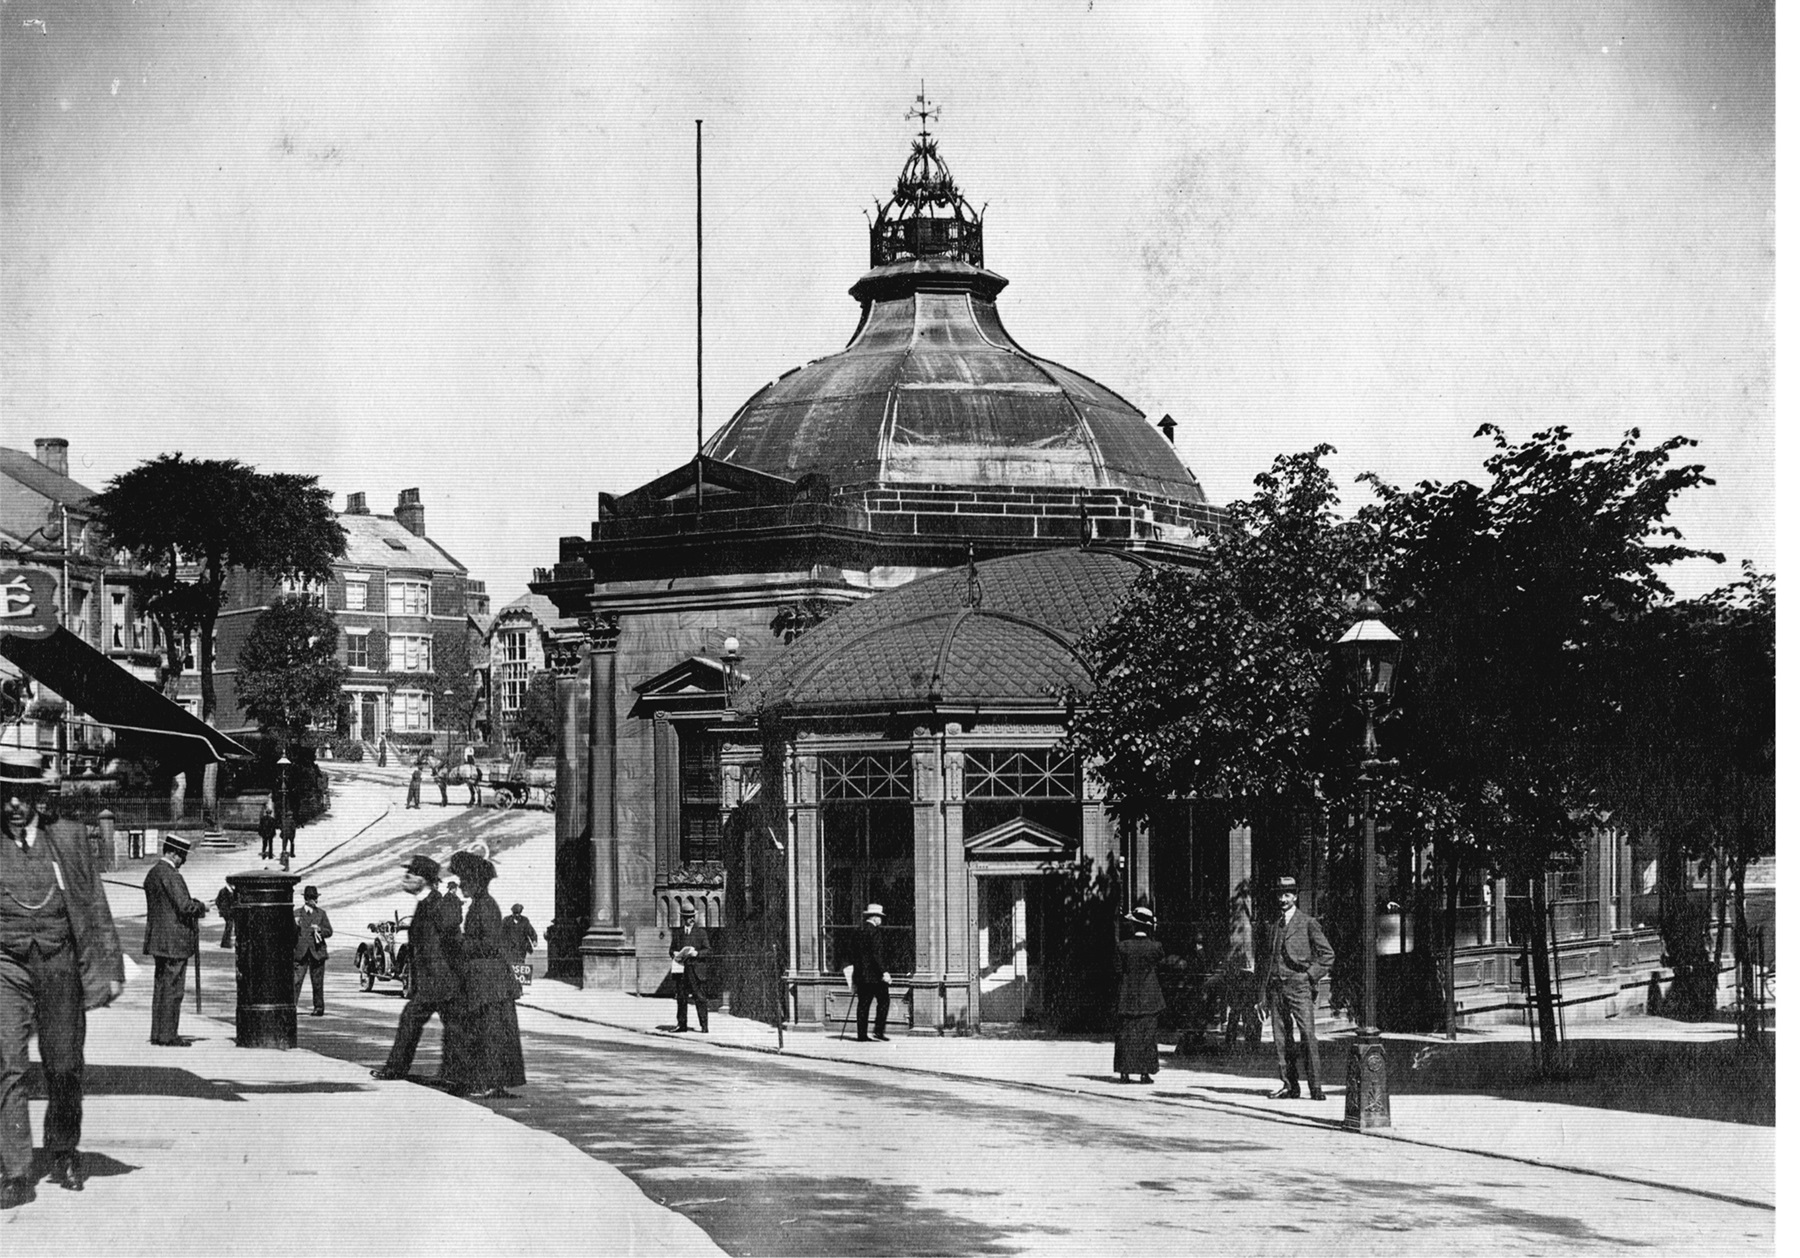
x: 1728, y: 1161
x: 200, y: 1149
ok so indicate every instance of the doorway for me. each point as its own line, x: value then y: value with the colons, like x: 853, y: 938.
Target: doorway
x: 1009, y: 933
x: 368, y: 717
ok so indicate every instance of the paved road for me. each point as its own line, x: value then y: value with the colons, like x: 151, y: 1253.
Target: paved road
x: 781, y: 1155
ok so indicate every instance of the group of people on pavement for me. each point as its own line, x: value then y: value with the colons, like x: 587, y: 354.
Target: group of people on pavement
x: 1294, y: 960
x: 462, y: 975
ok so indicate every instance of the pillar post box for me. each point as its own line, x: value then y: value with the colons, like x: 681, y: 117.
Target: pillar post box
x: 263, y: 916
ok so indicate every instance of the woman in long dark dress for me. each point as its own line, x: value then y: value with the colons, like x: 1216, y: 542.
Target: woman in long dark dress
x: 482, y: 1054
x: 1140, y: 999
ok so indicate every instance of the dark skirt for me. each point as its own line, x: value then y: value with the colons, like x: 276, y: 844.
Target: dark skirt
x: 481, y: 1047
x: 1134, y: 1048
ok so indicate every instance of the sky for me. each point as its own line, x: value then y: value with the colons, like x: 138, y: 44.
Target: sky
x: 452, y: 246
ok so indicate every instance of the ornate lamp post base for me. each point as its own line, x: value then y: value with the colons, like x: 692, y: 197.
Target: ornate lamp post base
x: 1366, y: 1083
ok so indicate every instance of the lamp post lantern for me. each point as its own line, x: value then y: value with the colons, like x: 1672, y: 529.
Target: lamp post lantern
x: 730, y: 657
x: 1371, y: 651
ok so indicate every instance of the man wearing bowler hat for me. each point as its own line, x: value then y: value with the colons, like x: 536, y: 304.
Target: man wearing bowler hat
x: 868, y: 975
x: 434, y: 951
x: 59, y: 957
x: 171, y: 935
x: 311, y: 929
x: 1299, y: 956
x: 689, y: 950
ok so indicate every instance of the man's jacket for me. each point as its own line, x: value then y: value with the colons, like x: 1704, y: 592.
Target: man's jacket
x: 1298, y: 948
x: 434, y: 949
x: 308, y: 918
x: 97, y: 948
x: 172, y: 928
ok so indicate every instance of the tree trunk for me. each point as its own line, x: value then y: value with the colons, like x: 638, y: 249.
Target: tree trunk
x: 1447, y: 872
x: 1543, y: 993
x: 1749, y: 1012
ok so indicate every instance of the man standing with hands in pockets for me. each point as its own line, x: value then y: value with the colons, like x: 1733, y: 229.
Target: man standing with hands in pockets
x: 1299, y: 956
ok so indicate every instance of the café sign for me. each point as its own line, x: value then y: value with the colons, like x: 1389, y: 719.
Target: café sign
x: 27, y: 602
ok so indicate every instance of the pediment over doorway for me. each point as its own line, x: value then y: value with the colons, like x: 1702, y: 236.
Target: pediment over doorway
x: 1022, y: 838
x: 695, y: 683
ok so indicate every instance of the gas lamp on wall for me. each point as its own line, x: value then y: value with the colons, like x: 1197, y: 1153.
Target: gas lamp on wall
x: 730, y: 657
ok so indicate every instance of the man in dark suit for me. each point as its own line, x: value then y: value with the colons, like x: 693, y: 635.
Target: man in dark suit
x: 434, y: 962
x: 689, y: 950
x: 1299, y: 956
x: 868, y: 975
x: 171, y: 935
x: 59, y: 957
x: 311, y: 929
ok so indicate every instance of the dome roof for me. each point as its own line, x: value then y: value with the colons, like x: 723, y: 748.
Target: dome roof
x: 1006, y: 640
x: 932, y: 390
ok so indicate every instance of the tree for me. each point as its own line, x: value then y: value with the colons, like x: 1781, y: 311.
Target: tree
x: 289, y: 676
x: 1692, y: 761
x: 190, y: 522
x: 1512, y: 595
x: 459, y: 686
x: 1212, y: 681
x: 535, y: 729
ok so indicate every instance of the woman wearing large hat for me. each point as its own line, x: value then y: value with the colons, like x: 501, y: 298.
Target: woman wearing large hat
x: 1140, y: 998
x: 482, y: 1052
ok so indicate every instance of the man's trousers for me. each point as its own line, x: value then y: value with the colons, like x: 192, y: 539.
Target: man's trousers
x: 1292, y: 999
x: 412, y: 1025
x: 165, y: 999
x: 45, y: 992
x: 687, y: 987
x: 877, y: 994
x: 317, y: 969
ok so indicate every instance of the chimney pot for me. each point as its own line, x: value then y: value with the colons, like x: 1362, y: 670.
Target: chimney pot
x: 356, y: 504
x: 410, y: 512
x: 53, y: 453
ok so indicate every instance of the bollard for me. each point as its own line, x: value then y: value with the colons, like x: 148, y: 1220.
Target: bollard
x: 263, y: 920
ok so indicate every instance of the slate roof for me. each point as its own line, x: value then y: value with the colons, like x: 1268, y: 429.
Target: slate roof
x: 27, y: 471
x: 923, y: 646
x: 381, y: 541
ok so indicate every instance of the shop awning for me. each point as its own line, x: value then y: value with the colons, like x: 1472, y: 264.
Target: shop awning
x: 109, y: 695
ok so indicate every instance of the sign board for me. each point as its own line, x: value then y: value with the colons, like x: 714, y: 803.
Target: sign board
x: 27, y: 602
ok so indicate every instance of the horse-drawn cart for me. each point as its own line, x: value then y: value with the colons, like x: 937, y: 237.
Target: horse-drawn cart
x: 524, y: 783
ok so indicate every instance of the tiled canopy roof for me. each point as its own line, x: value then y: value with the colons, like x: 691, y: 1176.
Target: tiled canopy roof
x: 924, y: 646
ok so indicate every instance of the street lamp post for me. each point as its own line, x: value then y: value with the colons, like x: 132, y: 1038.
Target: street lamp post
x: 1372, y: 652
x: 281, y: 786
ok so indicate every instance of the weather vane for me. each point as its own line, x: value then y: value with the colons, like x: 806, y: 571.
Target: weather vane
x: 922, y: 110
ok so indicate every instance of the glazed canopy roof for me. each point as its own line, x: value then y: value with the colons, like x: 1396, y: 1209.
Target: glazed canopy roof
x: 933, y: 390
x: 930, y: 644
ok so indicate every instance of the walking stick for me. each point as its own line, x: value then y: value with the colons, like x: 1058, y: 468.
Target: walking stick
x: 197, y: 1008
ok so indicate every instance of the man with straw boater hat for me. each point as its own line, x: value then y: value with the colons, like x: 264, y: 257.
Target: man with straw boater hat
x: 868, y: 975
x: 59, y: 957
x: 171, y: 935
x: 1299, y: 957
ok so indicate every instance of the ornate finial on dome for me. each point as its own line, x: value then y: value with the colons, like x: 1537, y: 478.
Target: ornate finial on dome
x: 927, y: 217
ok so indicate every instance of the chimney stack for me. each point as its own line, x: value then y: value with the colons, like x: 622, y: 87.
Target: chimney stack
x: 356, y: 504
x: 53, y: 453
x: 410, y: 512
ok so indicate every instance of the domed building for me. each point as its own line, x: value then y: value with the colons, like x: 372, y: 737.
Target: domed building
x: 808, y: 563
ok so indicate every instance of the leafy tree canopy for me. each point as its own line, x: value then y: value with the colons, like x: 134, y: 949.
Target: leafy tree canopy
x: 458, y: 684
x: 289, y: 676
x: 1210, y: 679
x: 535, y: 728
x: 190, y: 521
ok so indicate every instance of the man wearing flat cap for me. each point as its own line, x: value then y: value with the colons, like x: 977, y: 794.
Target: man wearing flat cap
x: 171, y: 935
x: 311, y: 929
x: 868, y: 974
x: 434, y: 964
x: 59, y: 957
x: 1299, y: 957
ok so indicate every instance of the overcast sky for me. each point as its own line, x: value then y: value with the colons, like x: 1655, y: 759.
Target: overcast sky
x: 451, y: 245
